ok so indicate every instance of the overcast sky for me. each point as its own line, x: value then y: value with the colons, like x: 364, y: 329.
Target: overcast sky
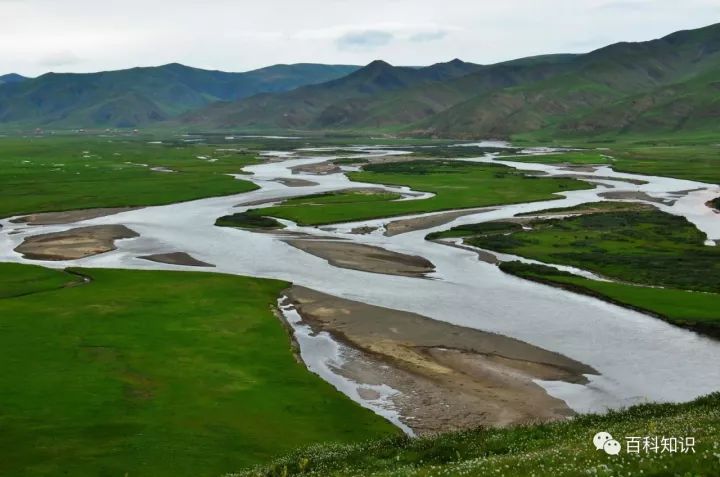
x: 37, y: 36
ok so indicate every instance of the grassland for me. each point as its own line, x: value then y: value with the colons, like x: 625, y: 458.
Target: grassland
x: 144, y: 373
x: 573, y: 157
x: 455, y: 184
x: 697, y: 162
x: 560, y: 449
x: 640, y: 249
x: 44, y: 174
x: 645, y: 247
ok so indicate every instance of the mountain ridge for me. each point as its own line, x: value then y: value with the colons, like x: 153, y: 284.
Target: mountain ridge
x: 618, y: 88
x: 154, y: 93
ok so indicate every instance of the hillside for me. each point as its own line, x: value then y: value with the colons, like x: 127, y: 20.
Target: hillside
x: 564, y: 93
x: 552, y: 450
x: 662, y: 86
x: 139, y: 96
x: 335, y: 102
x: 618, y: 74
x: 11, y: 78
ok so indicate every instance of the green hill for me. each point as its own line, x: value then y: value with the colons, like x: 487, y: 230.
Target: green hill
x: 139, y: 96
x: 682, y: 65
x: 568, y: 94
x: 663, y: 86
x: 11, y: 78
x: 337, y: 102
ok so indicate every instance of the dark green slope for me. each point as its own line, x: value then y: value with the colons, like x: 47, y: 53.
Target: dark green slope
x: 610, y: 75
x: 400, y: 108
x: 11, y: 78
x: 328, y: 103
x: 139, y: 96
x: 693, y: 105
x: 455, y: 99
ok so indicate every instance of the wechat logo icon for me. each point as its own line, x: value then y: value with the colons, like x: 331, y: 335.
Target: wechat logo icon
x: 604, y: 441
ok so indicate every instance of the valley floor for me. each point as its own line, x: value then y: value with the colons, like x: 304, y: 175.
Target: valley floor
x: 172, y: 370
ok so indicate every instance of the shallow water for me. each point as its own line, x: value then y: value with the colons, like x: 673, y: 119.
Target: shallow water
x: 640, y: 358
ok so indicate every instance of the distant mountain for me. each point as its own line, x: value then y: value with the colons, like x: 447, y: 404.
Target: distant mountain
x: 616, y: 88
x: 586, y: 84
x: 138, y: 96
x: 666, y: 85
x: 11, y: 78
x: 330, y: 103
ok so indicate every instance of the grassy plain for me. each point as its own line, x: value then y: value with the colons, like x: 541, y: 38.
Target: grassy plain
x: 560, y: 449
x: 646, y: 247
x: 144, y: 373
x: 47, y: 174
x: 697, y: 162
x: 455, y: 184
x: 658, y: 259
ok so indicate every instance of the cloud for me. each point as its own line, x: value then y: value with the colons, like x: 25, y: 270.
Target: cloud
x: 624, y: 5
x: 364, y: 40
x: 58, y: 58
x: 428, y: 36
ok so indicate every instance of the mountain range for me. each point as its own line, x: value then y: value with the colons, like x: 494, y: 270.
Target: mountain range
x: 663, y: 86
x: 140, y: 96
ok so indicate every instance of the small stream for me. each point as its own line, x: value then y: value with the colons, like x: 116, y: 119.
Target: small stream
x: 640, y: 358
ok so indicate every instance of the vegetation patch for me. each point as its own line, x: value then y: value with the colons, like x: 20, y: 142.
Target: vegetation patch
x: 697, y: 162
x: 470, y: 230
x: 574, y: 158
x: 249, y: 219
x: 591, y: 208
x: 155, y: 373
x: 49, y: 174
x: 644, y: 247
x: 349, y: 161
x: 560, y: 449
x: 715, y: 203
x: 456, y: 185
x: 699, y: 311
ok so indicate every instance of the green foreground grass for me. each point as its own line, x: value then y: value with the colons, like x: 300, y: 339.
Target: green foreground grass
x: 48, y: 174
x: 560, y: 449
x: 659, y: 260
x: 456, y: 184
x: 143, y: 373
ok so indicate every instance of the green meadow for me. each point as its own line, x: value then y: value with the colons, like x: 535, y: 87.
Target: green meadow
x: 45, y: 174
x: 145, y: 373
x: 456, y: 185
x: 658, y: 261
x: 697, y: 162
x: 646, y: 247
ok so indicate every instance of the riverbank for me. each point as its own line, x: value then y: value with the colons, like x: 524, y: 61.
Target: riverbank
x: 448, y: 377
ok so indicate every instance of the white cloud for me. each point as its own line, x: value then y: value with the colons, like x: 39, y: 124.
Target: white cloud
x: 58, y: 58
x: 364, y: 40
